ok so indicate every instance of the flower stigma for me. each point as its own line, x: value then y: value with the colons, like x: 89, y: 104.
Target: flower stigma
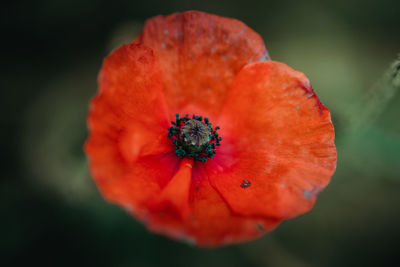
x: 194, y: 137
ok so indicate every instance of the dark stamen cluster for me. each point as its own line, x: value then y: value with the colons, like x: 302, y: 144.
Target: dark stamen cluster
x: 193, y: 137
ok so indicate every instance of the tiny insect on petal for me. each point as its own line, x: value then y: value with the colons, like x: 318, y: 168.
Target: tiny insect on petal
x: 245, y: 183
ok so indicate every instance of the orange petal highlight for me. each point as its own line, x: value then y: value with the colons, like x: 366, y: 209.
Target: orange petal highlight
x: 176, y: 192
x: 200, y: 54
x: 278, y: 150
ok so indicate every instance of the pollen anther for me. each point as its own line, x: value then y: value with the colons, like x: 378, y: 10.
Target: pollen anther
x: 194, y: 138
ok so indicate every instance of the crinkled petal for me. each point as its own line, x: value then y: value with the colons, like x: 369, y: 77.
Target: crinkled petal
x: 200, y: 54
x: 278, y: 149
x: 210, y: 222
x: 129, y: 152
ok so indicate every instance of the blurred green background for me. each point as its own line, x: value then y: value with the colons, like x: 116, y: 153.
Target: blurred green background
x: 51, y: 211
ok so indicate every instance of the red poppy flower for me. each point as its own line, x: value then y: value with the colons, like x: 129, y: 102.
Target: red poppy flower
x: 173, y: 171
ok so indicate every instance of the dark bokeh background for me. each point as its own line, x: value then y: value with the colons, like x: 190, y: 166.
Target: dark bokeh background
x: 51, y: 212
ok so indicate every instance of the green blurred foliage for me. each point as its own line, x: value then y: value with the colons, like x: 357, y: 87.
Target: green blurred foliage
x: 52, y: 213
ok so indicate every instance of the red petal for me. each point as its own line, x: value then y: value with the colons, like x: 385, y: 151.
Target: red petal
x: 211, y: 222
x: 200, y: 54
x: 128, y: 146
x: 176, y: 193
x: 277, y: 136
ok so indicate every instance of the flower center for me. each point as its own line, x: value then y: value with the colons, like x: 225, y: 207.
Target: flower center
x: 194, y: 137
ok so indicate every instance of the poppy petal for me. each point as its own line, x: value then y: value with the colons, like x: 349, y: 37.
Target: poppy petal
x: 278, y: 149
x: 200, y: 54
x: 127, y: 122
x: 176, y: 193
x: 211, y: 222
